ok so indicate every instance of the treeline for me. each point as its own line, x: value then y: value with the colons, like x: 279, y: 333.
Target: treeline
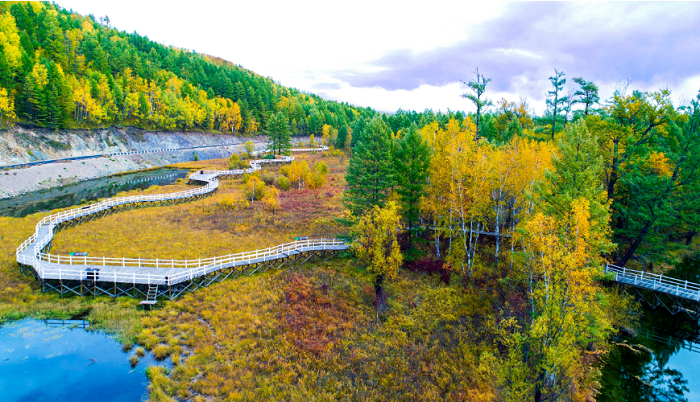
x: 528, y: 214
x: 62, y: 70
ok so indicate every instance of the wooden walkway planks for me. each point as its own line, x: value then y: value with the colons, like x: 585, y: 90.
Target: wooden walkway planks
x: 657, y: 283
x: 148, y: 271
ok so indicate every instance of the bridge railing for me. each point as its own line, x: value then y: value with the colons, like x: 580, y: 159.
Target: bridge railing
x: 74, y: 267
x: 51, y: 221
x: 658, y: 282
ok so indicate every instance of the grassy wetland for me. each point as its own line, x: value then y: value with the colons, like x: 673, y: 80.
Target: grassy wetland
x: 300, y: 333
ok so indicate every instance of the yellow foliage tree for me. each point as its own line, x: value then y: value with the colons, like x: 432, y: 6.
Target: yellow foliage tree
x: 376, y: 245
x: 9, y: 41
x: 7, y: 106
x: 271, y: 199
x: 559, y: 266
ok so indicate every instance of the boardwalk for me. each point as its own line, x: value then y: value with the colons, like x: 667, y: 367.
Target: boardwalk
x: 157, y: 277
x: 657, y: 283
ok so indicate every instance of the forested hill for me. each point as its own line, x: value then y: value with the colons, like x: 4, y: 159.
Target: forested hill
x: 59, y: 69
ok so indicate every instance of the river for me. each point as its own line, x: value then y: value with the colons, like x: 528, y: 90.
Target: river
x: 62, y: 361
x: 666, y: 367
x: 90, y: 190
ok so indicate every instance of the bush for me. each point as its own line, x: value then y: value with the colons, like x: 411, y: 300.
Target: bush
x: 254, y: 188
x: 267, y: 178
x: 233, y: 204
x: 235, y: 162
x: 321, y: 168
x: 283, y: 183
x: 249, y: 148
x: 140, y: 352
x: 161, y: 352
x: 431, y: 267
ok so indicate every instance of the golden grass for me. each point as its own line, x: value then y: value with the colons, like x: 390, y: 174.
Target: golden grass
x: 311, y: 333
x: 207, y: 228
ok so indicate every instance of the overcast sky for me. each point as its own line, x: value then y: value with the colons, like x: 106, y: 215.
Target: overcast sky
x: 412, y: 55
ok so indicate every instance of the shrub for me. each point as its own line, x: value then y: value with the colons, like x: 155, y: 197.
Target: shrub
x: 249, y: 148
x: 283, y: 183
x: 127, y: 346
x: 254, y: 188
x: 233, y: 204
x: 267, y: 178
x: 134, y: 360
x: 235, y: 162
x: 431, y: 266
x: 140, y: 352
x: 321, y: 168
x: 161, y: 351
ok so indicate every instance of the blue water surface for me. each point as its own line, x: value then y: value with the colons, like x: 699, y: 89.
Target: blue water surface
x: 42, y: 362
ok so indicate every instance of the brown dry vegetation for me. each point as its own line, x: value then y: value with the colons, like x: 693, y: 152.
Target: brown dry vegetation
x: 302, y: 333
x: 210, y: 227
x: 312, y: 333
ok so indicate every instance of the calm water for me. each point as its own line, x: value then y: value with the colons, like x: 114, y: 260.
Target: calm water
x: 75, y: 194
x: 40, y: 362
x: 670, y: 370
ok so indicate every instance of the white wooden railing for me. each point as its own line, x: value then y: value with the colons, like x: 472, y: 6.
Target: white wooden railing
x: 29, y: 252
x: 656, y: 282
x: 64, y: 267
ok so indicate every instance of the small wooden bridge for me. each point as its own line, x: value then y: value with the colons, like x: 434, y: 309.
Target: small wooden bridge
x: 153, y: 278
x: 677, y: 296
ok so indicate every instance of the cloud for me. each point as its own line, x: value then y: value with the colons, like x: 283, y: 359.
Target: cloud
x: 647, y: 43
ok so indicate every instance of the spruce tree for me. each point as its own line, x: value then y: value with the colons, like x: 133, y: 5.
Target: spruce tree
x: 370, y: 172
x: 277, y: 130
x: 411, y: 162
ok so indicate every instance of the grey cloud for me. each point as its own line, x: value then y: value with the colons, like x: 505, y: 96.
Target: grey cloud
x: 601, y: 42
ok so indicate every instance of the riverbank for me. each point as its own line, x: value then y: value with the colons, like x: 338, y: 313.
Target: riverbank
x: 141, y: 150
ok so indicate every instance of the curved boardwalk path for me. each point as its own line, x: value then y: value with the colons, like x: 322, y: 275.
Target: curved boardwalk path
x: 152, y: 278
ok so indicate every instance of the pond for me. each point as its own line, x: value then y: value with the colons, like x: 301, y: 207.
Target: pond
x: 663, y: 362
x: 62, y: 361
x: 90, y: 190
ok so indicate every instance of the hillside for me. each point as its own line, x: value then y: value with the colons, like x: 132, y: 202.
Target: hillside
x: 59, y: 69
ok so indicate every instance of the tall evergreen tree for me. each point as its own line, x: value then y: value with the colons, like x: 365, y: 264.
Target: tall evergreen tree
x: 371, y: 171
x: 578, y: 168
x: 342, y: 136
x: 277, y: 130
x: 411, y: 162
x: 556, y: 101
x: 478, y: 87
x: 587, y: 94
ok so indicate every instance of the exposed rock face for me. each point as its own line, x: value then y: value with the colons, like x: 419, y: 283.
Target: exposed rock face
x: 20, y: 145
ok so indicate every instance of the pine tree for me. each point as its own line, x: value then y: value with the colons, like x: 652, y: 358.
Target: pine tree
x: 556, y: 102
x: 370, y: 172
x: 277, y: 130
x: 588, y: 94
x: 342, y: 135
x: 578, y: 168
x: 478, y: 88
x: 412, y: 160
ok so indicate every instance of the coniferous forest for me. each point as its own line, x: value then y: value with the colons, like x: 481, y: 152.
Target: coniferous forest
x: 63, y: 70
x: 478, y: 240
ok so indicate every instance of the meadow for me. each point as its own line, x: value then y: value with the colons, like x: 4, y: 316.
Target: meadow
x: 309, y: 332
